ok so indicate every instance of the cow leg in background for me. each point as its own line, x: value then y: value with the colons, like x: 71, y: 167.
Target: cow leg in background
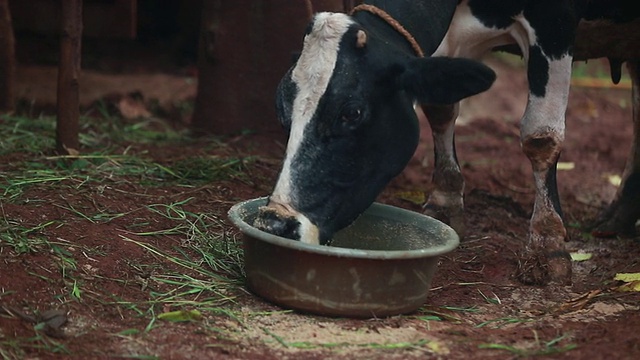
x: 621, y: 216
x: 542, y: 134
x: 446, y: 201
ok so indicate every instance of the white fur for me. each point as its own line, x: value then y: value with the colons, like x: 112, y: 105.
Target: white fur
x: 311, y: 76
x: 548, y: 113
x: 468, y: 37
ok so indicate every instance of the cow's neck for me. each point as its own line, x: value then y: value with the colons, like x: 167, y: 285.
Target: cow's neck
x: 426, y: 21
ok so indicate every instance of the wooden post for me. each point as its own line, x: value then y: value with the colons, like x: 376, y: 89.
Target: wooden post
x: 7, y: 59
x: 348, y: 5
x: 68, y: 74
x: 246, y: 46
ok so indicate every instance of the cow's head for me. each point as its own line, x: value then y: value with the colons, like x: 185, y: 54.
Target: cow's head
x: 348, y: 106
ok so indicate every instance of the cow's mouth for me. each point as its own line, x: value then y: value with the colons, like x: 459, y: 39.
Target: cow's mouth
x: 283, y: 220
x: 271, y: 220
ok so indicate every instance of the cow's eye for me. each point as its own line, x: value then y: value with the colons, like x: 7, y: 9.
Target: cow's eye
x: 351, y: 117
x: 351, y: 114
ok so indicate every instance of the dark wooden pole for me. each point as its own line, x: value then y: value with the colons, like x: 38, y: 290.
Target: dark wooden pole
x: 68, y: 78
x: 246, y: 46
x: 7, y: 59
x: 348, y: 5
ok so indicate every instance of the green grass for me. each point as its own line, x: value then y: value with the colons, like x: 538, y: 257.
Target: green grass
x: 22, y: 134
x: 24, y: 239
x: 17, y: 348
x: 37, y: 135
x: 503, y: 321
x: 200, y: 272
x: 537, y: 349
x: 94, y: 169
x: 105, y: 157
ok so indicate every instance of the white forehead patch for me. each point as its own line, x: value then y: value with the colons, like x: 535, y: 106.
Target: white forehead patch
x: 311, y: 76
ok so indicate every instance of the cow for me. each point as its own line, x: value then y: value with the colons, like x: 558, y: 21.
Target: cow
x: 348, y: 104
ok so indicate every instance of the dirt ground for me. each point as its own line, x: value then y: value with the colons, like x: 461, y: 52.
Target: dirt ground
x: 475, y: 309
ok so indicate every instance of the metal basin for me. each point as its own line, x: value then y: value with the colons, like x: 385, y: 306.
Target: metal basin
x: 381, y: 265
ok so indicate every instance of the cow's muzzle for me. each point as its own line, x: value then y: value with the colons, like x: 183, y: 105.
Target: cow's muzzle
x: 283, y: 220
x: 276, y: 222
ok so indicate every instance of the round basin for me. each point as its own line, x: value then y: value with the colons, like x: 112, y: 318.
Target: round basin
x: 381, y: 265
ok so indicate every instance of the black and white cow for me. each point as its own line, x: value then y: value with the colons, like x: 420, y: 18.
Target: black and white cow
x: 348, y: 104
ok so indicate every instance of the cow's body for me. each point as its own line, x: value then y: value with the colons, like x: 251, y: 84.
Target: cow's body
x: 545, y: 32
x: 331, y: 174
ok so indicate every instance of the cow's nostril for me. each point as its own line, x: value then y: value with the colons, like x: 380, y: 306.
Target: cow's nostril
x: 271, y: 221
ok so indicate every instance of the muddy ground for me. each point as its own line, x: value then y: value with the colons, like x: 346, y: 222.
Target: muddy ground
x: 96, y: 275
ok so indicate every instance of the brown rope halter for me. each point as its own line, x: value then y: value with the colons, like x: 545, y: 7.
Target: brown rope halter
x: 393, y: 23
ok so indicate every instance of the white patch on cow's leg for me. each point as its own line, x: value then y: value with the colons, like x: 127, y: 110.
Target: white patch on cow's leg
x: 467, y: 37
x: 311, y: 75
x: 542, y: 134
x: 446, y: 200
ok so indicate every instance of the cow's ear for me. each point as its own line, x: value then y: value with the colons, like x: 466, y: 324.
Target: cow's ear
x: 443, y: 80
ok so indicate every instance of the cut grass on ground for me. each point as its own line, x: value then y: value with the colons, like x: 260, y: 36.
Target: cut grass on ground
x: 196, y: 276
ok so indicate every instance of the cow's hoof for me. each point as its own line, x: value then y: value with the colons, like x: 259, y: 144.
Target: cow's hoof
x: 453, y: 217
x: 619, y: 219
x: 539, y: 268
x: 611, y: 226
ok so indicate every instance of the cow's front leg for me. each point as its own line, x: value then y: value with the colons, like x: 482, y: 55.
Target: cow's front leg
x: 445, y: 202
x: 621, y: 216
x: 542, y: 133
